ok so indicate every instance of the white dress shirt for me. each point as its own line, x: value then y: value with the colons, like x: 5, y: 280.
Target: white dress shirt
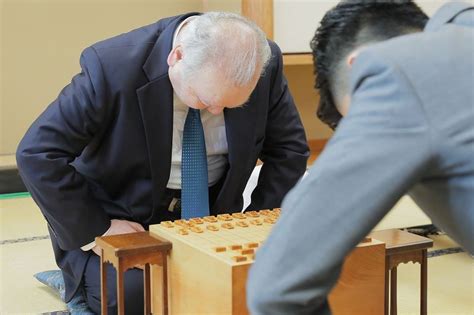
x: 216, y: 144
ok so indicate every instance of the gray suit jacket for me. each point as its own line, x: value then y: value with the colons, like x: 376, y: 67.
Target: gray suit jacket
x: 410, y: 128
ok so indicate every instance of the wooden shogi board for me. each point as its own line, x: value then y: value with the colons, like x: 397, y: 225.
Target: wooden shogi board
x: 211, y: 256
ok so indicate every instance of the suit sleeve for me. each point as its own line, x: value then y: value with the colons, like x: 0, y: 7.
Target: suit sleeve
x: 54, y: 140
x: 285, y: 150
x: 378, y: 152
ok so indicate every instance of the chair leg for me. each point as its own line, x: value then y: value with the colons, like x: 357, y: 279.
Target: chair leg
x: 393, y: 291
x: 424, y: 283
x: 103, y: 284
x: 147, y: 288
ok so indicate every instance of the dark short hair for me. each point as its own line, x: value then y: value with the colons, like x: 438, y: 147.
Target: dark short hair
x: 349, y: 25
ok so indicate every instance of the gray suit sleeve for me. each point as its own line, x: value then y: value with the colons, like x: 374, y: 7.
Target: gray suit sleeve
x: 378, y: 152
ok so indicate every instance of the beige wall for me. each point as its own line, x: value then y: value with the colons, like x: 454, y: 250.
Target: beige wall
x: 222, y: 5
x: 41, y: 43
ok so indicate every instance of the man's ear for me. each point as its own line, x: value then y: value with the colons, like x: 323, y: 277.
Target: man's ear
x: 352, y: 57
x: 175, y: 55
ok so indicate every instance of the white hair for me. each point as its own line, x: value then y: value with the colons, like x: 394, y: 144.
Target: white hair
x: 237, y: 46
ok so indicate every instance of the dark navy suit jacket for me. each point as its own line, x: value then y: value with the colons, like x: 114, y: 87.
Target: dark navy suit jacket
x: 102, y: 149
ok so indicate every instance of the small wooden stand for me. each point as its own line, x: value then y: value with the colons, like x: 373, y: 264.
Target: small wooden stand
x: 126, y: 251
x: 403, y: 247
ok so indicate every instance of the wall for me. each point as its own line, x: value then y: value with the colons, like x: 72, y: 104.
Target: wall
x: 41, y: 43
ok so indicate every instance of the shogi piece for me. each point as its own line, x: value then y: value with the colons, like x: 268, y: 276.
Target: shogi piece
x: 404, y: 247
x: 126, y: 251
x: 208, y: 270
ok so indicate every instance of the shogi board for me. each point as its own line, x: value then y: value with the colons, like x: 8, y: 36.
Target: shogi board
x: 211, y: 256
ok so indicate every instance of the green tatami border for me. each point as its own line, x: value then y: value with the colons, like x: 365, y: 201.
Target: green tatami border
x: 15, y: 195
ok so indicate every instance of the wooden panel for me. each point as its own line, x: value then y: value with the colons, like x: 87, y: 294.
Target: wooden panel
x: 316, y: 146
x: 360, y: 289
x: 261, y: 12
x: 198, y: 283
x: 239, y: 281
x: 297, y: 59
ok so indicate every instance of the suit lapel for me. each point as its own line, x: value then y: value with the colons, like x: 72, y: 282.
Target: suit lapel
x: 156, y: 106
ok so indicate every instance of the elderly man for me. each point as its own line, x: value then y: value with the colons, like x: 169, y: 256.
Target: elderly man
x: 164, y: 122
x: 404, y: 86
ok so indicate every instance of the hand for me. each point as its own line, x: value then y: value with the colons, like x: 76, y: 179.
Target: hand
x: 120, y: 227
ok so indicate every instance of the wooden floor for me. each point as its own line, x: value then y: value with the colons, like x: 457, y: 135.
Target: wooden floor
x: 25, y: 249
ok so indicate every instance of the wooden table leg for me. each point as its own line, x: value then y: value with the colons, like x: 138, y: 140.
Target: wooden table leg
x: 147, y: 287
x: 165, y: 283
x: 120, y: 291
x: 424, y: 283
x: 103, y: 284
x: 387, y: 270
x: 393, y: 291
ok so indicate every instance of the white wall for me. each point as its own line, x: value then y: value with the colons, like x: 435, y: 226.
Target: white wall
x: 295, y: 21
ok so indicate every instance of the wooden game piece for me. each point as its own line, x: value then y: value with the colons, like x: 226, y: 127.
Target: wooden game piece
x: 167, y: 224
x: 183, y: 223
x: 228, y: 226
x: 212, y: 227
x: 256, y: 222
x: 238, y: 216
x: 210, y: 218
x: 183, y: 231
x: 241, y: 224
x: 251, y: 245
x: 196, y: 229
x: 239, y: 258
x: 220, y: 249
x: 247, y: 251
x: 235, y: 247
x: 252, y: 214
x: 196, y: 221
x: 224, y: 217
x: 269, y: 220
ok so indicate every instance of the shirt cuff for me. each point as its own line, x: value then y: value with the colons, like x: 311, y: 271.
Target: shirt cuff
x: 91, y: 245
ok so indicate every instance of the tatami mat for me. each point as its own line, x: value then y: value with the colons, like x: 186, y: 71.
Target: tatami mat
x: 20, y: 218
x: 20, y: 293
x: 450, y: 286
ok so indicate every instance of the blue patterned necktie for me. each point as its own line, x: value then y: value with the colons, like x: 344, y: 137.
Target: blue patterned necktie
x: 194, y: 182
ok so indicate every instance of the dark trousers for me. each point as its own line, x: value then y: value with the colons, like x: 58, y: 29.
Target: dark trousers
x: 133, y: 287
x: 133, y: 278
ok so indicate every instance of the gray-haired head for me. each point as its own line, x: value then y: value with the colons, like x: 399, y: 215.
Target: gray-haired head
x: 225, y: 41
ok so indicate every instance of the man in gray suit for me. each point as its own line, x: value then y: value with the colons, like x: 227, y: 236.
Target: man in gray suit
x: 407, y: 98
